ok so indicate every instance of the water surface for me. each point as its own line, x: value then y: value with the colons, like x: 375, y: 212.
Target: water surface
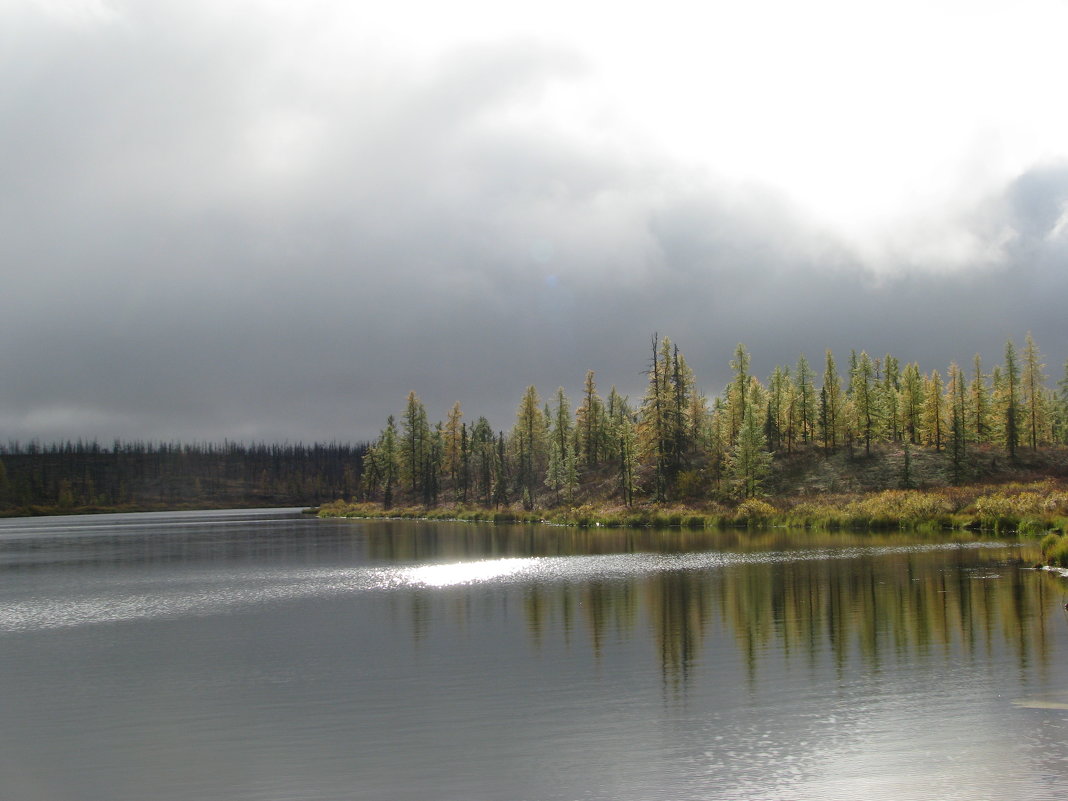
x: 261, y: 655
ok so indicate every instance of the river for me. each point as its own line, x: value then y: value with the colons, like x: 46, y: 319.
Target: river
x: 240, y: 655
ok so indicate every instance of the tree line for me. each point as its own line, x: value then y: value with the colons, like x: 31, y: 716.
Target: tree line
x: 676, y: 443
x: 71, y: 475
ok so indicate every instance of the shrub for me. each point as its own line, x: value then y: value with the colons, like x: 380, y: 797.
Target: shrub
x: 754, y: 511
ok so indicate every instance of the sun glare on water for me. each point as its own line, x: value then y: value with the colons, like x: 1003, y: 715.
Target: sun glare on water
x: 467, y: 572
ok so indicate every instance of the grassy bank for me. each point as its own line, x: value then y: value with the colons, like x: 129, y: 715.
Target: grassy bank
x: 1026, y: 508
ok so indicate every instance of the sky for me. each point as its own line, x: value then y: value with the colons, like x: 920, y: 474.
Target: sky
x: 270, y: 221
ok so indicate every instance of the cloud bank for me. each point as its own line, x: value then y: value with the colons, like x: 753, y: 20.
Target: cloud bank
x: 210, y: 229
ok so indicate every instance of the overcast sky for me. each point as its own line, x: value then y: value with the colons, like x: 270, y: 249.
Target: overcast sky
x: 271, y: 220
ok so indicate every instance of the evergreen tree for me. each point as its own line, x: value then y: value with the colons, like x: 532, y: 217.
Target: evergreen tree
x: 592, y: 423
x: 933, y: 410
x: 653, y: 430
x: 911, y: 402
x: 750, y: 460
x: 1010, y: 400
x: 958, y: 414
x: 530, y: 445
x: 805, y: 404
x: 736, y: 393
x: 1033, y: 392
x: 889, y: 387
x: 484, y: 453
x: 1061, y: 431
x: 561, y: 474
x: 980, y: 402
x: 830, y: 403
x: 415, y: 444
x: 624, y: 440
x: 453, y: 436
x: 864, y: 399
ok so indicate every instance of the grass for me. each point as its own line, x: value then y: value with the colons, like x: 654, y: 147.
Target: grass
x: 1030, y: 508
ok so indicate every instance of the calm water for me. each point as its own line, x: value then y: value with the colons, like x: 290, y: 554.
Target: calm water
x: 257, y: 655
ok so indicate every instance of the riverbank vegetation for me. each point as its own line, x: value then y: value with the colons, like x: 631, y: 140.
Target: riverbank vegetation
x: 876, y: 443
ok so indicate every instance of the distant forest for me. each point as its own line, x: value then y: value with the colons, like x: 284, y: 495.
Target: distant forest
x: 73, y: 476
x: 677, y: 444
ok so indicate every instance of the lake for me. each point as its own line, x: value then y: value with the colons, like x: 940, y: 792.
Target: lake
x: 259, y: 654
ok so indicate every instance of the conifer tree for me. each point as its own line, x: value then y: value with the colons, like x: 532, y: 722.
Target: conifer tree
x: 831, y: 403
x: 591, y: 424
x: 980, y: 402
x: 750, y: 459
x: 911, y: 402
x: 805, y: 404
x: 529, y: 442
x: 1033, y: 396
x: 1061, y: 432
x: 624, y: 443
x: 484, y: 453
x: 652, y: 426
x: 561, y: 474
x: 958, y: 413
x: 887, y: 401
x: 933, y: 410
x: 864, y: 399
x: 736, y: 394
x: 453, y: 436
x: 415, y: 444
x: 1010, y: 400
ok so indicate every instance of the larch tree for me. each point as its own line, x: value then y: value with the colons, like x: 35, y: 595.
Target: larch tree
x: 911, y: 402
x: 805, y: 403
x: 414, y: 444
x: 623, y: 437
x: 591, y: 424
x: 561, y: 474
x: 1033, y: 392
x: 956, y: 398
x: 454, y: 446
x: 750, y: 459
x: 736, y: 393
x: 863, y: 398
x: 887, y: 401
x: 1009, y: 400
x: 933, y: 410
x: 653, y: 422
x: 979, y: 400
x: 530, y: 445
x: 831, y: 401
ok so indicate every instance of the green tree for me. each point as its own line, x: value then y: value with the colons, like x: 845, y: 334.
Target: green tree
x: 958, y: 414
x: 561, y: 474
x: 750, y: 460
x: 484, y: 456
x: 415, y: 444
x: 625, y: 443
x: 592, y: 424
x: 911, y: 402
x: 831, y: 402
x: 1034, y: 392
x: 933, y: 410
x: 738, y: 390
x: 805, y: 406
x: 454, y: 445
x: 530, y: 445
x: 980, y: 402
x: 1010, y: 400
x: 864, y: 399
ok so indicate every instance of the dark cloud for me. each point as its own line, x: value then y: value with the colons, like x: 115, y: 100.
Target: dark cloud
x: 198, y: 243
